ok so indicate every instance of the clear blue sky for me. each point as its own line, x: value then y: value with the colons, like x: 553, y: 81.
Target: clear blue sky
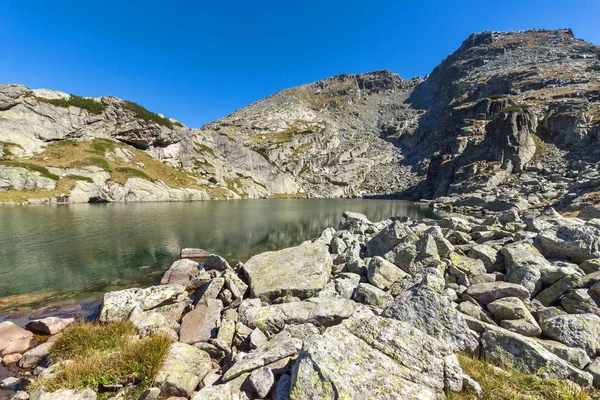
x: 201, y: 60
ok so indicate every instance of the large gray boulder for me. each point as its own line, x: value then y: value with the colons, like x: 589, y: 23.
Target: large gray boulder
x: 524, y: 265
x: 298, y: 271
x: 374, y: 358
x: 382, y: 273
x: 574, y: 241
x: 510, y: 349
x: 319, y: 311
x: 167, y: 300
x: 184, y: 367
x: 432, y: 313
x: 486, y: 292
x: 202, y: 322
x: 13, y: 338
x: 575, y: 330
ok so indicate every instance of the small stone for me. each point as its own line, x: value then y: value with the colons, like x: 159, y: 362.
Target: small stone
x: 216, y: 262
x: 10, y: 383
x: 262, y: 381
x: 594, y: 369
x: 256, y: 339
x: 372, y: 296
x: 11, y: 358
x: 490, y: 291
x: 49, y: 326
x: 13, y: 339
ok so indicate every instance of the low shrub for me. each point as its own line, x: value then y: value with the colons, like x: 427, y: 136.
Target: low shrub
x: 146, y: 115
x: 498, y: 96
x: 134, y: 173
x: 81, y: 178
x: 93, y: 106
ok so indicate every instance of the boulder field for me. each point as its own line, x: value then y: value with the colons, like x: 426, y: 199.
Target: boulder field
x: 370, y: 311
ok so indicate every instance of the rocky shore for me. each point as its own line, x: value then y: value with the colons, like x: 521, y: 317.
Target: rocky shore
x: 368, y: 310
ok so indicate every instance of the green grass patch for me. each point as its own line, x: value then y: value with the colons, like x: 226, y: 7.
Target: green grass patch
x: 541, y: 148
x: 105, y: 354
x: 97, y: 161
x: 509, y: 384
x: 93, y: 106
x: 81, y: 178
x: 133, y: 173
x: 205, y: 149
x: 5, y: 148
x: 515, y: 108
x: 32, y: 167
x: 498, y: 96
x: 101, y: 146
x: 146, y: 115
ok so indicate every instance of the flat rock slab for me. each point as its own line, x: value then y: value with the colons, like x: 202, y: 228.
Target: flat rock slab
x: 299, y: 271
x: 13, y: 338
x: 181, y: 272
x: 321, y: 312
x: 193, y: 253
x: 49, y: 326
x: 182, y: 371
x: 63, y: 394
x: 201, y: 323
x: 488, y: 292
x: 377, y: 358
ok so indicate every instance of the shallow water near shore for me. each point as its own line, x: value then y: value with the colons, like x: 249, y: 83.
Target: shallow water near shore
x: 53, y: 254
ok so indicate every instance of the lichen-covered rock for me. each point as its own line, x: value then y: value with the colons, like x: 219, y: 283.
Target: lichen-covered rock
x: 503, y: 347
x: 372, y: 296
x: 486, y: 292
x: 183, y: 369
x: 431, y: 312
x: 262, y: 381
x: 320, y: 312
x: 279, y: 347
x: 523, y: 265
x: 573, y: 355
x: 34, y: 356
x: 382, y: 273
x: 514, y: 316
x: 216, y: 392
x: 63, y: 394
x: 553, y: 293
x: 469, y: 266
x: 298, y: 271
x: 168, y: 300
x: 492, y: 259
x: 575, y: 330
x: 378, y: 358
x: 573, y: 241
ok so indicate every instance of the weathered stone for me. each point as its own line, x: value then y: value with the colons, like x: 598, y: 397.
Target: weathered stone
x: 575, y: 330
x: 181, y: 272
x: 590, y: 266
x: 432, y: 313
x: 492, y: 259
x: 262, y: 380
x: 49, y: 325
x: 216, y: 392
x: 168, y: 300
x: 580, y: 301
x: 183, y: 369
x: 523, y: 265
x: 280, y: 346
x: 553, y: 293
x: 298, y: 271
x: 34, y: 356
x: 282, y: 388
x: 514, y: 316
x: 503, y: 347
x: 236, y: 286
x: 320, y: 312
x: 63, y: 394
x: 489, y: 291
x: 216, y: 262
x: 390, y: 237
x: 226, y: 334
x: 201, y: 323
x: 573, y: 241
x: 573, y: 355
x: 10, y: 383
x: 378, y: 358
x: 256, y: 339
x: 594, y: 369
x: 372, y: 296
x: 469, y: 266
x: 210, y: 290
x: 13, y: 339
x: 382, y: 273
x: 150, y: 322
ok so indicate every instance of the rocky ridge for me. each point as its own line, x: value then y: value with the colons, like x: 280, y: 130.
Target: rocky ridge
x: 381, y: 313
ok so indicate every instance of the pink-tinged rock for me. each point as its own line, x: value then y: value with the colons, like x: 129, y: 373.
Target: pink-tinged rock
x: 201, y: 323
x: 13, y: 339
x: 180, y: 273
x: 49, y: 326
x: 11, y: 359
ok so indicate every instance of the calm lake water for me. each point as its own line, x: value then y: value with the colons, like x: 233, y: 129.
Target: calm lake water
x: 58, y: 253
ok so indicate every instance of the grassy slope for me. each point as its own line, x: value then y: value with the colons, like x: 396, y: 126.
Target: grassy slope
x: 505, y: 384
x: 68, y: 153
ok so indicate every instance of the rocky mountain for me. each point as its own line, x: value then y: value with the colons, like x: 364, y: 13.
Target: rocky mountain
x: 508, y: 118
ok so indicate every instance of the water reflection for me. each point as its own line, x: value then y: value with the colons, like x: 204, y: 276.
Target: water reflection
x: 80, y: 250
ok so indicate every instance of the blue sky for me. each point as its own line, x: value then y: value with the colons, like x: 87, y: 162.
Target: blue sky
x: 198, y: 60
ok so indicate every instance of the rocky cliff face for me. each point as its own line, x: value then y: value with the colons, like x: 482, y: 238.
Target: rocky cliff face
x: 507, y: 118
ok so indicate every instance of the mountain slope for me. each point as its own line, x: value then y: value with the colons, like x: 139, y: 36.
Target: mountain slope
x: 508, y: 118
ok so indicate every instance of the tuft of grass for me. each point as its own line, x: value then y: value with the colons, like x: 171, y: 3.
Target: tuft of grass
x: 497, y: 96
x: 509, y: 384
x: 101, y: 146
x: 205, y: 149
x: 105, y: 354
x: 81, y: 178
x: 97, y: 161
x: 146, y: 115
x: 5, y: 149
x: 32, y: 167
x: 541, y: 148
x: 93, y: 106
x: 515, y: 108
x: 129, y: 172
